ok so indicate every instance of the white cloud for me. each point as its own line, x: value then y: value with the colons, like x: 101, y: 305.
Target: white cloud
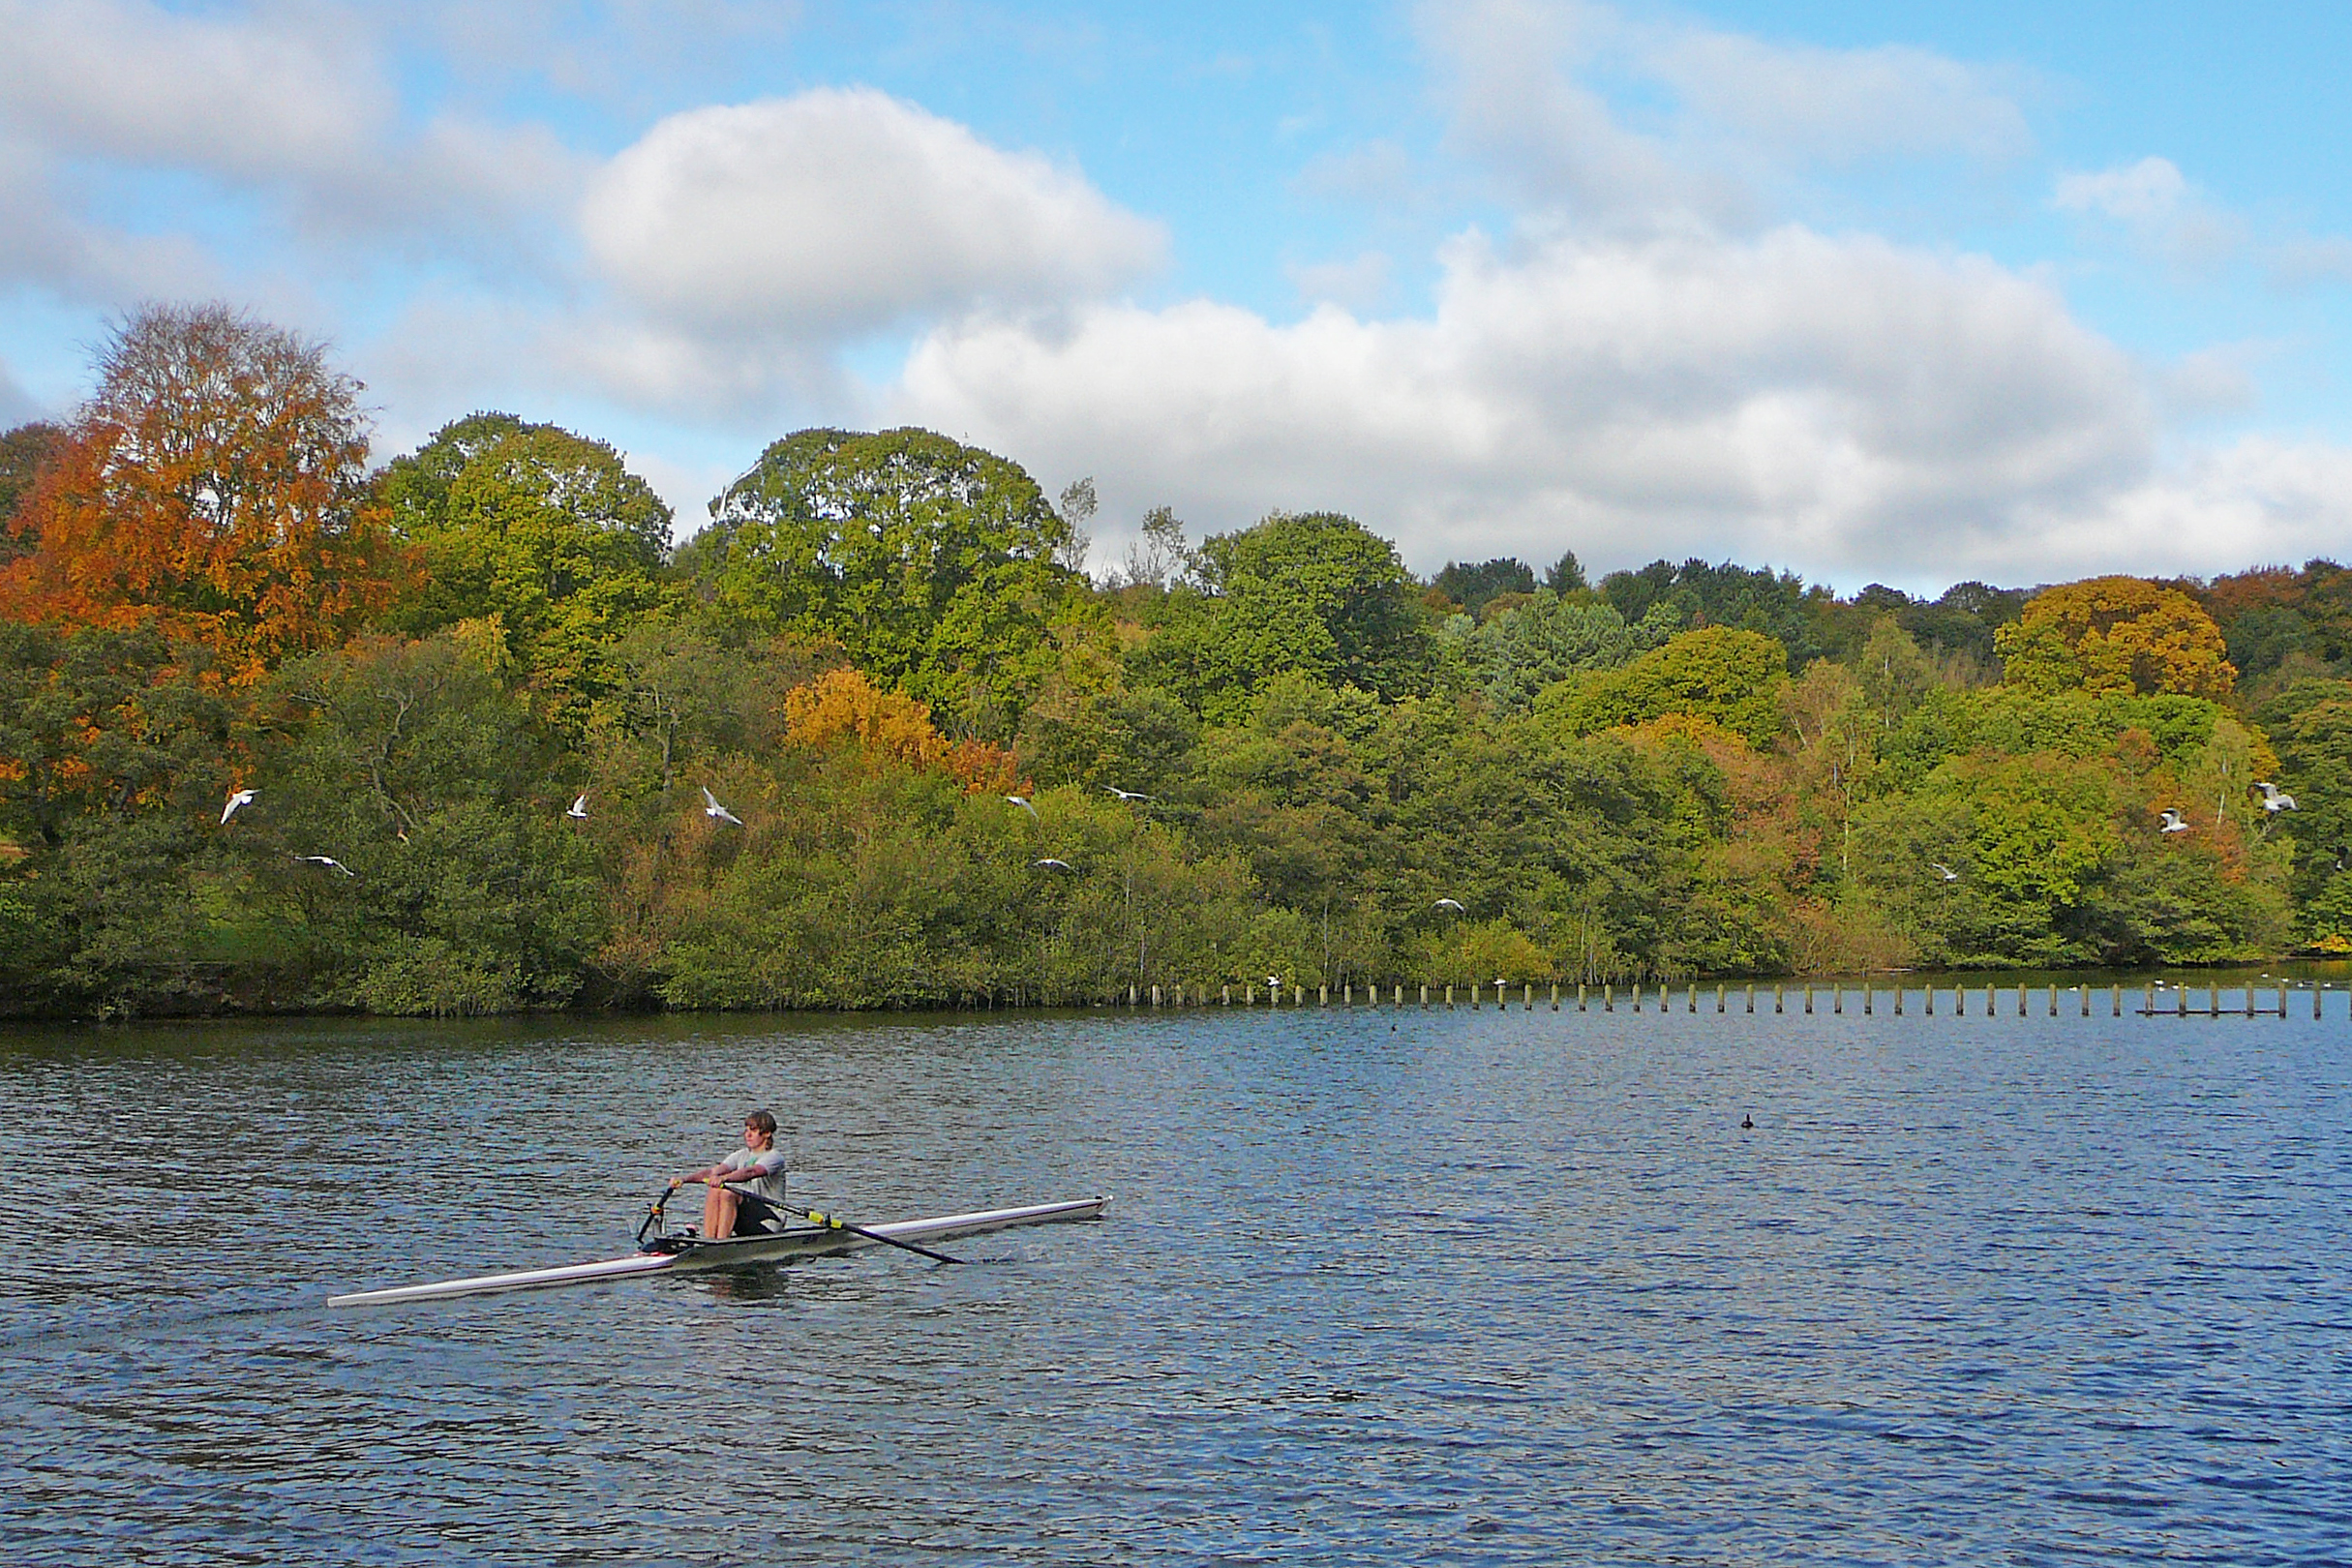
x: 1841, y: 106
x: 297, y: 105
x: 144, y: 85
x: 1723, y: 113
x: 1828, y: 403
x: 1358, y: 282
x: 2148, y: 192
x: 2258, y: 500
x: 815, y: 219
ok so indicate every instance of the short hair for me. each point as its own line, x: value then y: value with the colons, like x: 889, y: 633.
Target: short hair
x: 763, y: 1120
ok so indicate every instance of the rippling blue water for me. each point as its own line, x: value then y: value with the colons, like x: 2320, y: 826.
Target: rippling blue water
x: 1469, y: 1287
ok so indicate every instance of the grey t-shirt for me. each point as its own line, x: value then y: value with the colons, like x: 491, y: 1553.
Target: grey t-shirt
x: 764, y: 1172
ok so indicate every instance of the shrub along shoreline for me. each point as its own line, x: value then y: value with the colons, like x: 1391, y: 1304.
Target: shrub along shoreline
x: 1273, y: 752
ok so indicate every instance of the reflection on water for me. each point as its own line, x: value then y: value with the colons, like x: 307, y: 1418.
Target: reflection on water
x: 1379, y: 1288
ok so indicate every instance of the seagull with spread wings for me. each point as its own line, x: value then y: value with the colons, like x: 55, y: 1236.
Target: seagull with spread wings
x: 2174, y: 821
x: 579, y: 810
x: 327, y: 861
x: 237, y: 799
x: 718, y: 812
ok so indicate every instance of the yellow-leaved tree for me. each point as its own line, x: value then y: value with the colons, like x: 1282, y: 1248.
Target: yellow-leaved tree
x: 842, y: 706
x: 2118, y: 635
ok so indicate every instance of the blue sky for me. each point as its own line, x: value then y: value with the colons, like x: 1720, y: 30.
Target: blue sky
x: 1904, y: 293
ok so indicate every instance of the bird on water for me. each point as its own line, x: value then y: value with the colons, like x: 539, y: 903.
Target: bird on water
x: 1747, y: 1124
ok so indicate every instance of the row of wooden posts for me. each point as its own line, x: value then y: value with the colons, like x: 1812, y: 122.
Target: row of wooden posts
x: 1605, y: 997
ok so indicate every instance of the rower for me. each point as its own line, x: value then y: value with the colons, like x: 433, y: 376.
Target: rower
x: 747, y: 1186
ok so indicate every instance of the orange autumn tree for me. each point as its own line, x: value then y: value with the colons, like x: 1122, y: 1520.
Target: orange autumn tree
x: 842, y: 706
x: 215, y: 489
x: 2115, y: 635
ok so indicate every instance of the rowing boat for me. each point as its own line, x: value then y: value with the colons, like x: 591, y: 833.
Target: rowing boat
x: 690, y: 1254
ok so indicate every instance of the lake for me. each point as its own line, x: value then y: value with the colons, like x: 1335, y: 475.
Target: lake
x: 1378, y: 1286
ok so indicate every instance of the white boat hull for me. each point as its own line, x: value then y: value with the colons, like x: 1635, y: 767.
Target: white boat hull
x: 807, y: 1241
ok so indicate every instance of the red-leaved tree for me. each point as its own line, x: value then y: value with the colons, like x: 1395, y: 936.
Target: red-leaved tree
x: 214, y: 488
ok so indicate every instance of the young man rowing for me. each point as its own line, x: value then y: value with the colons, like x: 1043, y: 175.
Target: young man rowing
x: 747, y: 1186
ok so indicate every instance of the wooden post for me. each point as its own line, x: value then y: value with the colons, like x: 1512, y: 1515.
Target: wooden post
x: 1637, y: 996
x: 1719, y: 996
x: 1837, y: 997
x: 2282, y: 996
x: 2054, y: 998
x: 2316, y: 987
x: 1693, y: 996
x: 1930, y: 1008
x: 1527, y: 999
x: 1869, y: 1000
x: 1580, y: 1005
x: 2021, y: 1000
x: 1555, y: 996
x: 1323, y: 996
x: 1808, y: 996
x: 1449, y: 996
x: 1609, y: 996
x: 1779, y: 997
x: 1425, y: 996
x: 1228, y: 997
x: 2115, y: 997
x: 1751, y: 996
x: 2086, y: 990
x: 1898, y: 996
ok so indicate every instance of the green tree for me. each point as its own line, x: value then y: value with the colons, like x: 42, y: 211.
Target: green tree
x: 541, y: 528
x: 1317, y: 596
x: 935, y: 565
x: 1734, y: 678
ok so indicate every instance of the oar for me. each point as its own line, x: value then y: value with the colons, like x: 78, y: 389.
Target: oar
x: 831, y: 1224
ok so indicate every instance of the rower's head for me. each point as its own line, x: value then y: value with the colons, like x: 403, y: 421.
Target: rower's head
x: 758, y: 1129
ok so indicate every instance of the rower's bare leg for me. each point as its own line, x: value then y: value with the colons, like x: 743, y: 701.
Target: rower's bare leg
x: 718, y: 1212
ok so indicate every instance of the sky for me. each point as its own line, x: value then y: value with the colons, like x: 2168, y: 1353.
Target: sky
x: 1904, y: 293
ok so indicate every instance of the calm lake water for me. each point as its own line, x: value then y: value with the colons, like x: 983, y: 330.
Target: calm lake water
x: 1393, y: 1286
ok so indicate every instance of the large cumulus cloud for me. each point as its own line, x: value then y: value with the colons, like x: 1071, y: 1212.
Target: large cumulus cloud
x: 1790, y: 396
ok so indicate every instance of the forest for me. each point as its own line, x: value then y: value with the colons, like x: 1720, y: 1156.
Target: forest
x: 483, y: 728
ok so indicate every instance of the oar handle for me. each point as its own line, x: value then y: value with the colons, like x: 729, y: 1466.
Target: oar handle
x: 831, y: 1223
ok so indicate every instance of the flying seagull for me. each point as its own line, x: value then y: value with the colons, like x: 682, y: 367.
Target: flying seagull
x: 327, y: 861
x: 1452, y: 904
x: 1023, y: 803
x: 579, y: 810
x: 2273, y: 801
x: 1945, y: 871
x: 236, y: 798
x: 713, y: 810
x: 1053, y: 864
x: 2174, y: 821
x: 1126, y: 795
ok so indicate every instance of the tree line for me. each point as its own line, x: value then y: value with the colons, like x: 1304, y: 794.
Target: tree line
x: 872, y: 737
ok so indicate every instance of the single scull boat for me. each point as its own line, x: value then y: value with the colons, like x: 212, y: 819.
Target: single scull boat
x: 696, y: 1253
